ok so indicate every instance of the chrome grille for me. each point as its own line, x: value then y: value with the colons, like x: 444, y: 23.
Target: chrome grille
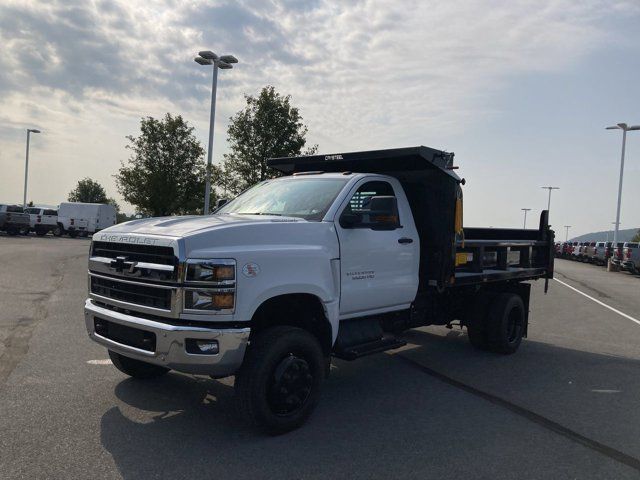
x: 134, y: 252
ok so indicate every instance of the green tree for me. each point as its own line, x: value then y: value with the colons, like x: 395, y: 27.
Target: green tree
x: 636, y: 237
x: 268, y: 126
x: 165, y: 173
x: 88, y: 191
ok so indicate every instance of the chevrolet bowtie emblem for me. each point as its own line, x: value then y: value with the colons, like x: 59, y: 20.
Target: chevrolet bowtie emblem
x: 120, y: 264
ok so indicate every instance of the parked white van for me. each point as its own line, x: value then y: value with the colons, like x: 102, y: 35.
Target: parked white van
x: 76, y: 218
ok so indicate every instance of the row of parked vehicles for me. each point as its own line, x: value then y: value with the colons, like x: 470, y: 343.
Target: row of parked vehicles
x: 70, y: 218
x: 626, y: 255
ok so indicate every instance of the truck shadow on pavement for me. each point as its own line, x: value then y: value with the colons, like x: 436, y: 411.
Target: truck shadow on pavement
x: 380, y: 418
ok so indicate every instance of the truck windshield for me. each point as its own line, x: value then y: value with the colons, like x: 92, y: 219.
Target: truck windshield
x: 307, y: 198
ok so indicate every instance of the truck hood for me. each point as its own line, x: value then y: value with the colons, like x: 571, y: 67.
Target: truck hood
x: 189, y: 225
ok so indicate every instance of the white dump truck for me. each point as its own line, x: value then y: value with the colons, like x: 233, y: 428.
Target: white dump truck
x: 334, y: 259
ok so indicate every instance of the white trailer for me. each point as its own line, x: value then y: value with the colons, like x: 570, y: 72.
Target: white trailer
x: 76, y: 218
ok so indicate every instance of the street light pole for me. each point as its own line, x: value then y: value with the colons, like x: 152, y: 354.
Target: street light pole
x: 566, y: 236
x: 625, y: 128
x: 209, y: 58
x: 26, y: 166
x: 525, y: 210
x: 549, y: 201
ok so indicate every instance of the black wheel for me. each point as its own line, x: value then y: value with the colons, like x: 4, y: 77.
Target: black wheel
x: 505, y: 323
x: 12, y: 230
x: 84, y: 234
x: 477, y: 322
x: 136, y: 368
x: 24, y: 231
x: 41, y: 232
x: 58, y: 231
x: 73, y: 233
x: 279, y: 383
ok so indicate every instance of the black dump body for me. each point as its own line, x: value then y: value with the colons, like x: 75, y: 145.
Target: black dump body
x: 432, y: 188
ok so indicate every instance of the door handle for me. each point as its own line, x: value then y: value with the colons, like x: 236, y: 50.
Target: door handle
x: 404, y: 240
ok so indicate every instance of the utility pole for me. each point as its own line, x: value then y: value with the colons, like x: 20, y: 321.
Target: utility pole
x: 566, y: 236
x: 525, y: 210
x: 26, y: 166
x: 224, y: 62
x: 549, y: 201
x: 625, y: 128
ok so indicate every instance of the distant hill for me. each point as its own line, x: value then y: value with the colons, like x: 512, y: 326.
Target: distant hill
x: 623, y: 236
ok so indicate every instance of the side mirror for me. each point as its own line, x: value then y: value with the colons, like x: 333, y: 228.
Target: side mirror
x: 349, y: 220
x: 384, y: 213
x: 221, y: 202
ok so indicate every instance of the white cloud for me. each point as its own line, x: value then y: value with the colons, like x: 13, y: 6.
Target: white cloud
x: 366, y: 74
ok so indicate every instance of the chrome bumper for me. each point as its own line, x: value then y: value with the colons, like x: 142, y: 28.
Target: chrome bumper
x: 170, y: 349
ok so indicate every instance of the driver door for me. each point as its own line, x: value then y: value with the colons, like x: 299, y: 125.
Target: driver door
x: 379, y: 265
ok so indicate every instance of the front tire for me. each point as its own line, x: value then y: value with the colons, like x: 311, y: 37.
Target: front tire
x: 136, y: 368
x: 73, y: 233
x: 279, y: 383
x: 58, y: 231
x: 505, y: 323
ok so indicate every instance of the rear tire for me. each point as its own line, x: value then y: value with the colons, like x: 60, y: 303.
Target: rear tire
x: 12, y: 231
x: 58, y: 231
x: 279, y: 383
x: 73, y: 233
x: 41, y: 232
x: 136, y: 368
x: 505, y: 323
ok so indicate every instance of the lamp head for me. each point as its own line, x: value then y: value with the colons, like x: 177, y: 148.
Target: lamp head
x: 208, y: 54
x: 229, y: 59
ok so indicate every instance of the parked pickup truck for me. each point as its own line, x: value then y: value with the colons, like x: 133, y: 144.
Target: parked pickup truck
x: 13, y: 220
x: 602, y: 253
x: 42, y: 220
x: 617, y: 254
x: 631, y: 257
x: 321, y: 262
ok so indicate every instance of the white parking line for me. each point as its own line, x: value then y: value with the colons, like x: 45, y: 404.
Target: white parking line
x: 628, y: 317
x: 101, y: 361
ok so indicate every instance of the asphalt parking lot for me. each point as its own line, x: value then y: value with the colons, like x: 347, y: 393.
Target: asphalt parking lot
x: 564, y: 406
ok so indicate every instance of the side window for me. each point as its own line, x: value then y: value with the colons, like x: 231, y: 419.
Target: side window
x: 51, y: 212
x: 361, y: 212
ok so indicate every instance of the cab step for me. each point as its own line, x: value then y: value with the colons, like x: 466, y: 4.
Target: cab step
x: 369, y: 348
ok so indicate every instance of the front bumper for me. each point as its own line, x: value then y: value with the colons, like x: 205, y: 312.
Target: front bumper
x: 170, y: 350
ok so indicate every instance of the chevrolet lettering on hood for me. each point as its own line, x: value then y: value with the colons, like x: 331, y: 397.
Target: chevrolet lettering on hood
x: 127, y: 239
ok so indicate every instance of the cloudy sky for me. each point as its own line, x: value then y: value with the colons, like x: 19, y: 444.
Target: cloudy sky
x: 520, y: 90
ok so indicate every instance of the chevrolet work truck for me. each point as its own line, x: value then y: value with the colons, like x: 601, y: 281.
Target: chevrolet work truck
x: 333, y: 259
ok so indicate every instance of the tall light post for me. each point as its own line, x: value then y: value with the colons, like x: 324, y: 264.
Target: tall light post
x: 224, y: 62
x: 566, y: 235
x: 26, y: 166
x: 609, y: 230
x: 625, y: 128
x: 549, y: 201
x: 525, y: 210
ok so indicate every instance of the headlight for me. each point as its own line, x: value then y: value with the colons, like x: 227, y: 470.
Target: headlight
x: 215, y: 292
x: 217, y: 271
x: 209, y: 299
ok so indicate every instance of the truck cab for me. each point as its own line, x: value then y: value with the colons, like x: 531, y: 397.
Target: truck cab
x: 333, y: 259
x: 13, y: 220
